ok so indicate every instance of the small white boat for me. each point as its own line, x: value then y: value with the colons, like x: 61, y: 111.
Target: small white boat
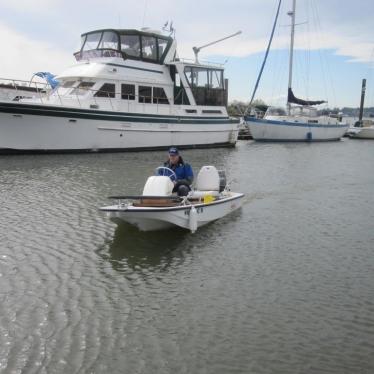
x: 365, y: 132
x: 158, y: 209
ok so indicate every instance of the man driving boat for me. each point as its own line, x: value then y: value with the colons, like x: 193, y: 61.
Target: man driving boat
x: 182, y: 170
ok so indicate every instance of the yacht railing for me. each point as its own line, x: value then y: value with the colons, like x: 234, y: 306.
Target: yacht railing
x: 38, y: 89
x: 190, y: 61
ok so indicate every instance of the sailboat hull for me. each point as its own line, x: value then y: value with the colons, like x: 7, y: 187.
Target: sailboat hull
x: 362, y: 132
x: 270, y: 130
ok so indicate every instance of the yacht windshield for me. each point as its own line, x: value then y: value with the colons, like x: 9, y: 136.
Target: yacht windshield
x: 92, y: 41
x: 130, y: 44
x: 109, y: 40
x: 149, y: 47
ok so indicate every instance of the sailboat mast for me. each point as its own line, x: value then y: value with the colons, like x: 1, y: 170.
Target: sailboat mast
x: 292, y: 14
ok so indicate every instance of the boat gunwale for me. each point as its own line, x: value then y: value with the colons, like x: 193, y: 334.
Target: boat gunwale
x: 265, y: 121
x: 133, y: 209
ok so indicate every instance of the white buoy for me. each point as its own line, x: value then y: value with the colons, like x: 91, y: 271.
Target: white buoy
x: 193, y: 219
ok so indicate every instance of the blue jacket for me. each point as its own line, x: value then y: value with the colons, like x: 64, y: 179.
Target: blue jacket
x: 182, y: 170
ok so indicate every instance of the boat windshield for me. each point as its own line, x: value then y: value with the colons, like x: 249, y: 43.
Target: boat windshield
x: 131, y: 44
x: 275, y: 111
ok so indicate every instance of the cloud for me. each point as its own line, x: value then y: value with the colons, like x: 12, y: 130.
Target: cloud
x: 22, y: 56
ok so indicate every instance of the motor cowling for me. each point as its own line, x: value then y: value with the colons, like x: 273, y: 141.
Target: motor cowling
x: 208, y: 179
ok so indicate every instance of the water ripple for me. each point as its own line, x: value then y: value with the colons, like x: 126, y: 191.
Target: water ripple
x: 284, y: 285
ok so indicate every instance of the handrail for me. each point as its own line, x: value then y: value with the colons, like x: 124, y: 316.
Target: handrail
x: 191, y: 61
x: 38, y: 89
x: 23, y: 83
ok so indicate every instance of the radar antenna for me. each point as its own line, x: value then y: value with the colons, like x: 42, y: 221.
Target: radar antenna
x: 196, y: 50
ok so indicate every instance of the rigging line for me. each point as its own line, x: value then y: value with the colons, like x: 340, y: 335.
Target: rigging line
x: 325, y: 66
x: 308, y: 54
x: 369, y: 74
x: 266, y: 55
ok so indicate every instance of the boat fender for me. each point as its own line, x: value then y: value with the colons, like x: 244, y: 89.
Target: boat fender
x: 193, y: 219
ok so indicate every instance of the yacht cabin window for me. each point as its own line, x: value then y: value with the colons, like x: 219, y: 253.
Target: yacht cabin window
x: 130, y: 44
x: 204, y: 77
x: 145, y: 94
x: 159, y: 96
x: 68, y: 84
x: 82, y: 88
x: 206, y: 85
x: 162, y: 45
x: 215, y: 78
x: 106, y: 90
x: 149, y: 48
x: 128, y: 91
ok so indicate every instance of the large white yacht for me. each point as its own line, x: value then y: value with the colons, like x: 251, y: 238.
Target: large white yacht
x: 128, y: 90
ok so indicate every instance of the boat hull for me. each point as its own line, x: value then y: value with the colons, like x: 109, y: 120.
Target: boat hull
x: 41, y: 128
x: 269, y: 130
x: 362, y: 133
x: 156, y: 218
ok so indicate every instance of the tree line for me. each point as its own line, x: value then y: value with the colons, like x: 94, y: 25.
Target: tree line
x: 238, y: 108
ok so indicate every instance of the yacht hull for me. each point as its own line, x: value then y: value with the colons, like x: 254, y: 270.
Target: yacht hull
x: 269, y: 130
x: 43, y: 128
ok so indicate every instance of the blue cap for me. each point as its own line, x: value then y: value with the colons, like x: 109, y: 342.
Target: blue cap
x: 173, y: 151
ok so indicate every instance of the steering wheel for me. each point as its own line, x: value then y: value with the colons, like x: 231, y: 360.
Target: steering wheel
x: 167, y: 172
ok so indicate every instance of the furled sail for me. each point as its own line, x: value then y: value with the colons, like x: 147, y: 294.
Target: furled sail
x: 293, y: 99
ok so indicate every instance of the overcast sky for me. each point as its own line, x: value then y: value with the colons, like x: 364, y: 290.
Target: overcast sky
x: 334, y: 41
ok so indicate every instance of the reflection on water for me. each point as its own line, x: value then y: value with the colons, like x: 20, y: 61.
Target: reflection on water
x: 133, y: 248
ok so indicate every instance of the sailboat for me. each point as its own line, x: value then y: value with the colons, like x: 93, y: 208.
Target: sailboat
x: 299, y: 122
x: 362, y: 129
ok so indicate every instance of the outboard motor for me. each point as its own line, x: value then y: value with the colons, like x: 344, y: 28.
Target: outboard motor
x: 222, y: 180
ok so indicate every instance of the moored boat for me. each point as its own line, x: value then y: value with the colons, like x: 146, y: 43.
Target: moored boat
x: 362, y: 132
x: 127, y: 91
x: 300, y: 122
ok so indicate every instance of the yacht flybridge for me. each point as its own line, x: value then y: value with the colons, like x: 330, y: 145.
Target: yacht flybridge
x: 128, y: 90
